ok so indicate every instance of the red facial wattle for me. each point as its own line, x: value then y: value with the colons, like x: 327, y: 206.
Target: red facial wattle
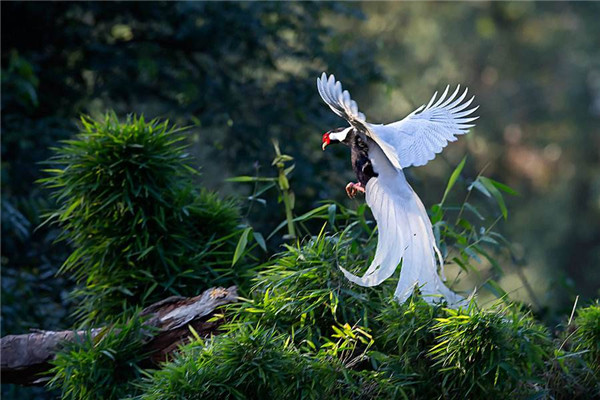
x: 326, y: 140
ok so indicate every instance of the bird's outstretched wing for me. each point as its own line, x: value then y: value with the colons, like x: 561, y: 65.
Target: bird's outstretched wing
x: 341, y: 103
x: 426, y: 131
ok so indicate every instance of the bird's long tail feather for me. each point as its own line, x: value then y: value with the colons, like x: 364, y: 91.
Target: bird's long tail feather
x: 405, y: 235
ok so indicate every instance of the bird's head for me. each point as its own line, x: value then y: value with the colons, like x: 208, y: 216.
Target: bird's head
x: 339, y: 135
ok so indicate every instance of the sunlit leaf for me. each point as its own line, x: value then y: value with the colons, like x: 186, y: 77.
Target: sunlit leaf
x: 453, y: 178
x: 250, y: 179
x: 241, y: 246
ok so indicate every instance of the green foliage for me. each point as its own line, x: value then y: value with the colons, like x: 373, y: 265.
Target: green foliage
x: 212, y: 216
x: 241, y: 86
x: 284, y: 187
x: 587, y: 335
x: 404, y: 336
x: 242, y: 73
x: 573, y: 370
x: 127, y: 203
x: 304, y: 292
x: 101, y: 366
x: 32, y: 297
x: 468, y: 234
x: 256, y: 362
x: 303, y: 325
x: 218, y: 67
x: 251, y: 363
x: 487, y: 352
x: 307, y: 332
x: 20, y: 81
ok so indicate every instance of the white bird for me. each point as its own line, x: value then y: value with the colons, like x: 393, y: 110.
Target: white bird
x: 379, y: 152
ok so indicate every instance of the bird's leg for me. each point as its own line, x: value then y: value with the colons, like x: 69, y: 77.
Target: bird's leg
x: 353, y: 188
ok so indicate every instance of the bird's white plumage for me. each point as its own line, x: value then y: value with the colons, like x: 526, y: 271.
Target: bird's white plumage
x: 427, y: 130
x: 339, y: 101
x: 416, y: 139
x: 405, y: 232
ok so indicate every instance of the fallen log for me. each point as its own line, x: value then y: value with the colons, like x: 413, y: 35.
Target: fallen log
x: 25, y: 358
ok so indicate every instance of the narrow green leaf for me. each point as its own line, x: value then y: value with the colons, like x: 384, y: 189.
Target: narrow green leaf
x: 194, y: 333
x: 480, y: 187
x: 258, y: 237
x: 474, y: 210
x: 281, y: 159
x: 495, y: 288
x: 496, y: 194
x: 289, y: 169
x: 145, y: 252
x: 241, y: 246
x: 363, y: 220
x: 108, y: 354
x: 69, y: 210
x: 284, y: 184
x: 453, y: 178
x: 436, y: 213
x: 504, y: 188
x: 250, y: 179
x: 331, y: 214
x: 264, y: 189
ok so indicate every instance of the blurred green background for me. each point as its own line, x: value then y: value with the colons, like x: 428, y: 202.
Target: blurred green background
x: 240, y: 74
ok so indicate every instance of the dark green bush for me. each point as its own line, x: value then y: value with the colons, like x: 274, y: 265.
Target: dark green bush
x: 574, y: 372
x: 140, y: 230
x: 103, y: 366
x: 403, y: 336
x: 488, y: 352
x: 259, y: 363
x: 587, y: 334
x: 303, y: 291
x: 252, y: 363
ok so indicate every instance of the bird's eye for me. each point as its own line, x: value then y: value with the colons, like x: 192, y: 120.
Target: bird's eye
x: 326, y: 138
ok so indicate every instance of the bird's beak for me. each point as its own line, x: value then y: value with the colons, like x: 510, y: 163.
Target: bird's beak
x: 326, y: 141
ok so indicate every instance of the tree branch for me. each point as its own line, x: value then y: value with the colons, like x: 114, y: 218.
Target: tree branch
x: 25, y: 357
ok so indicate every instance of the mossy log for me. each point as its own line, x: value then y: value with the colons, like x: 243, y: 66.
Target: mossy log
x: 25, y: 358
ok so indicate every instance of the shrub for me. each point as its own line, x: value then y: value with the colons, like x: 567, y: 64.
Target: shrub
x: 587, y: 334
x: 491, y: 352
x: 403, y: 336
x: 256, y: 362
x: 303, y: 291
x: 103, y: 366
x: 252, y: 363
x: 140, y: 229
x: 305, y: 331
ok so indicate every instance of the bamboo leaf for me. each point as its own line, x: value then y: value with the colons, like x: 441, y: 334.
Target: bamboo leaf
x: 480, y: 187
x: 496, y: 289
x: 241, y: 246
x: 503, y: 187
x: 453, y: 178
x: 496, y: 194
x: 250, y: 179
x: 331, y: 214
x: 258, y: 237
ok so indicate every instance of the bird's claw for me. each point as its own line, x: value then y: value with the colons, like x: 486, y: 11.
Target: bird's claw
x: 353, y: 188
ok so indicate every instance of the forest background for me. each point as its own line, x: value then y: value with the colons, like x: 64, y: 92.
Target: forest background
x: 240, y: 75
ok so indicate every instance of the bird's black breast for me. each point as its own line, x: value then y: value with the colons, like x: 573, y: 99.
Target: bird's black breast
x: 360, y: 160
